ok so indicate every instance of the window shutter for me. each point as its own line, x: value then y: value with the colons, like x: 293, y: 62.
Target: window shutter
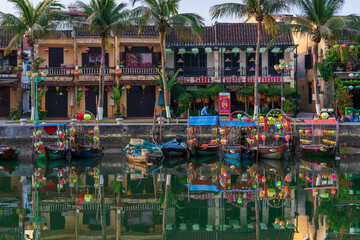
x: 85, y: 59
x: 106, y: 59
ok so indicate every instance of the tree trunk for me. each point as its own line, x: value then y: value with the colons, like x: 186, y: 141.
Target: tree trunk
x: 257, y: 64
x: 316, y: 80
x: 163, y: 70
x: 32, y: 59
x: 102, y: 81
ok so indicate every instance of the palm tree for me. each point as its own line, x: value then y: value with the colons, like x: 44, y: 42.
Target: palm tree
x: 33, y: 22
x: 319, y: 22
x: 103, y: 16
x: 262, y: 10
x: 164, y: 14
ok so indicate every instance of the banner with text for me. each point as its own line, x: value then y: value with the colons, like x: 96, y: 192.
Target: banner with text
x: 224, y: 103
x: 262, y: 79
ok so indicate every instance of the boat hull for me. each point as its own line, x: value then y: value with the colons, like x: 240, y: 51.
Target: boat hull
x: 8, y: 153
x: 271, y: 152
x: 174, y: 152
x: 85, y: 152
x: 204, y: 151
x: 317, y: 151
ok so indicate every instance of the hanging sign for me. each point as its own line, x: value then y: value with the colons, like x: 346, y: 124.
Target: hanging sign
x: 224, y: 103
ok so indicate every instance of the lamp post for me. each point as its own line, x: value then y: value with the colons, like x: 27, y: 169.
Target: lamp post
x: 34, y: 77
x: 280, y: 68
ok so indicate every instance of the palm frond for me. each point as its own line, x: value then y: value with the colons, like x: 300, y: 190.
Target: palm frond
x: 228, y: 10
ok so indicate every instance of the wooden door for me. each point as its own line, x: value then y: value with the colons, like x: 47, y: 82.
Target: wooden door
x: 56, y: 57
x: 55, y: 103
x: 91, y: 101
x: 4, y: 101
x: 141, y: 102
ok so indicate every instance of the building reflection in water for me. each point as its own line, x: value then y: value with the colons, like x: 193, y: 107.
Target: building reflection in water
x: 195, y: 199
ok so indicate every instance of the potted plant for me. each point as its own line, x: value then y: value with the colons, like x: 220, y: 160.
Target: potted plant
x: 184, y: 102
x: 289, y: 108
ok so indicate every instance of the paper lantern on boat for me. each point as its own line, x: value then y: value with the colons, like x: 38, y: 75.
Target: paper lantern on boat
x: 277, y: 137
x: 222, y: 131
x: 214, y: 130
x: 224, y: 141
x: 261, y: 118
x: 239, y: 116
x: 271, y: 121
x: 316, y: 119
x: 324, y: 115
x: 91, y: 132
x: 333, y: 191
x: 191, y: 142
x: 248, y: 120
x: 287, y: 137
x: 80, y: 116
x: 214, y: 142
x: 333, y: 176
x: 88, y: 197
x: 87, y: 116
x: 280, y: 118
x: 231, y: 118
x: 263, y: 137
x: 96, y: 129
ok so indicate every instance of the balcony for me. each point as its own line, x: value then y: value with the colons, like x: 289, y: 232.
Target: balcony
x: 57, y: 71
x: 94, y: 70
x: 139, y: 70
x: 243, y: 72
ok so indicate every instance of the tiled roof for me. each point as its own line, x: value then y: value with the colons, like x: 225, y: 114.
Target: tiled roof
x: 246, y: 34
x: 177, y: 38
x: 5, y: 37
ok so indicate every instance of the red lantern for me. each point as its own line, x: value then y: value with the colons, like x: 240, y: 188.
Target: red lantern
x: 150, y: 48
x: 342, y: 46
x: 106, y: 50
x: 333, y: 191
x: 80, y: 116
x: 77, y: 74
x: 66, y: 49
x: 106, y: 89
x: 46, y: 50
x: 87, y: 49
x: 129, y: 47
x: 118, y: 74
x: 39, y: 89
x: 87, y: 89
x: 67, y: 89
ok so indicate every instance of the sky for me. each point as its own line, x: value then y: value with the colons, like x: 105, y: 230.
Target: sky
x: 200, y: 7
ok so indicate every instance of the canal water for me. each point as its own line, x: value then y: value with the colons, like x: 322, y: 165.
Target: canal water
x: 196, y: 198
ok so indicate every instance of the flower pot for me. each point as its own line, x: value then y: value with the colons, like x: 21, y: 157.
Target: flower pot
x: 119, y: 121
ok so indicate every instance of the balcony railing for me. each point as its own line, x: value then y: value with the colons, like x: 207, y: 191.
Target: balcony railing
x: 57, y: 70
x: 243, y: 71
x: 193, y: 72
x: 138, y: 70
x: 93, y: 70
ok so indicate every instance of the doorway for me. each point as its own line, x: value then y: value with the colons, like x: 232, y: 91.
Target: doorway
x: 4, y: 101
x: 92, y: 98
x: 56, y: 102
x: 141, y: 101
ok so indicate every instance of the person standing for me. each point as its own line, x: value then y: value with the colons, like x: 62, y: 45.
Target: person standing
x: 204, y: 111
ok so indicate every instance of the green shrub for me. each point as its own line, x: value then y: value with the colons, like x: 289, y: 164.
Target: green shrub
x: 289, y: 107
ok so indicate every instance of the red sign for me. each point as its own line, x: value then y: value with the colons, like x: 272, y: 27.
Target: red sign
x: 224, y: 103
x: 262, y: 79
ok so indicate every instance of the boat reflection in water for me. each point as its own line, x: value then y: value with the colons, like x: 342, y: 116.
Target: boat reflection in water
x: 197, y: 198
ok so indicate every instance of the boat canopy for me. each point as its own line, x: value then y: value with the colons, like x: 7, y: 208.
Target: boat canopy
x: 205, y: 188
x: 236, y: 123
x: 49, y: 125
x: 203, y: 121
x: 330, y: 121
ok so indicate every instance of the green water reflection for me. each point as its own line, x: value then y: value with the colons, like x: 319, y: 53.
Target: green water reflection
x: 204, y: 198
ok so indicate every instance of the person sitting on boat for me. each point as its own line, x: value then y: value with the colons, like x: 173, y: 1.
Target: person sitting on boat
x: 204, y: 111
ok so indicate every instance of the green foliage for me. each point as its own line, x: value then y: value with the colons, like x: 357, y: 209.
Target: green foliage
x: 177, y: 90
x: 117, y: 99
x: 42, y: 114
x: 215, y: 88
x: 291, y: 93
x: 79, y: 96
x: 117, y: 187
x: 213, y: 112
x: 41, y: 96
x: 194, y: 112
x: 273, y: 91
x: 14, y: 112
x: 171, y: 81
x: 247, y: 91
x: 343, y: 98
x: 289, y: 107
x: 184, y: 101
x: 265, y: 111
x: 202, y: 93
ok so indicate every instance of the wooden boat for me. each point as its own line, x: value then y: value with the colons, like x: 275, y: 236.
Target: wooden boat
x: 268, y: 152
x: 205, y: 148
x: 142, y: 168
x: 52, y: 152
x: 236, y: 152
x: 82, y: 165
x: 85, y: 152
x: 317, y: 151
x: 8, y: 153
x: 174, y: 148
x: 140, y: 151
x: 47, y: 166
x: 9, y: 165
x: 319, y: 137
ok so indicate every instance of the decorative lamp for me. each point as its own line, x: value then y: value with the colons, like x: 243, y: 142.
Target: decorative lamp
x: 67, y: 89
x: 87, y: 49
x: 28, y: 74
x: 118, y: 74
x: 282, y: 61
x: 77, y: 74
x: 106, y: 89
x: 181, y: 51
x: 352, y: 47
x: 289, y: 66
x: 80, y: 89
x: 34, y: 75
x: 228, y: 60
x: 282, y: 66
x: 195, y: 50
x: 276, y: 67
x: 66, y: 49
x: 351, y: 75
x: 46, y: 50
x: 351, y: 88
x: 43, y: 74
x: 208, y: 50
x: 150, y: 48
x: 39, y: 89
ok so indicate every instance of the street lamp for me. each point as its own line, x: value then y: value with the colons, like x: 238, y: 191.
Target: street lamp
x: 281, y: 68
x: 34, y: 77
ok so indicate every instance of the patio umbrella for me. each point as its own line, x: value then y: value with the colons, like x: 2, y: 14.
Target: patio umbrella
x: 161, y: 99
